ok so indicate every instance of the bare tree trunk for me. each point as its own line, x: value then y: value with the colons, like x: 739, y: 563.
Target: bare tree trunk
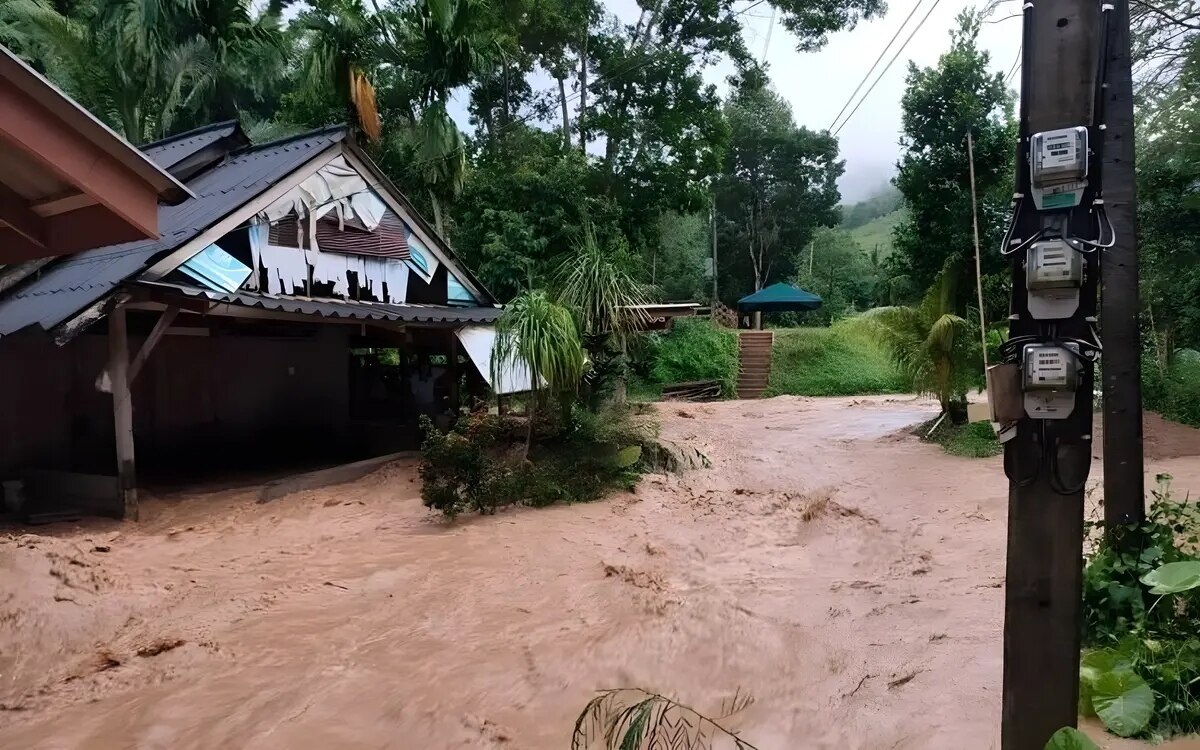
x: 583, y: 92
x: 566, y: 117
x: 438, y: 222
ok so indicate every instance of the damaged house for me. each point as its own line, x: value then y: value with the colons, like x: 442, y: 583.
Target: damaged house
x: 292, y: 308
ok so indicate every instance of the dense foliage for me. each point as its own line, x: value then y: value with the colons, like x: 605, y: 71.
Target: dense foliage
x: 692, y: 350
x: 629, y: 136
x: 480, y: 465
x: 1141, y: 607
x: 941, y: 105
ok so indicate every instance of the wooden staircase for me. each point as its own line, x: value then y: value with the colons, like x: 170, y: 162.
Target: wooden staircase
x: 754, y: 353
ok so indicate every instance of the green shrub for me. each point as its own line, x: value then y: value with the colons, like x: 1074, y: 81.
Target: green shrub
x: 1175, y: 393
x: 1141, y: 635
x: 973, y: 440
x: 844, y: 359
x: 694, y: 350
x: 480, y: 465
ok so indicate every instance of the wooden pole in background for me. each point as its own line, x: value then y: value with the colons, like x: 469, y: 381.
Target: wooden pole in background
x: 1124, y: 491
x: 978, y: 263
x: 118, y: 368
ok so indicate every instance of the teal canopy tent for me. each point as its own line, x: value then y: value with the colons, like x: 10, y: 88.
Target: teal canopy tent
x: 779, y: 297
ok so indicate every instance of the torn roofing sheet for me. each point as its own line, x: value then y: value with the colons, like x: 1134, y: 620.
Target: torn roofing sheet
x: 72, y: 284
x: 480, y: 344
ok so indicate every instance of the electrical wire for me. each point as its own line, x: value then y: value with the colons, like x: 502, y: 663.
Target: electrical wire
x: 875, y: 64
x: 889, y: 65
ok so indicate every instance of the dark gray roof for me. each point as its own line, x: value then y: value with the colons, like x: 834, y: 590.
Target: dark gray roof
x: 327, y: 308
x: 80, y: 280
x: 170, y: 151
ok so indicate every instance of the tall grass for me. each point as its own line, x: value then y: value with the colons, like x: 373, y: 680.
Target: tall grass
x: 845, y: 359
x: 694, y: 350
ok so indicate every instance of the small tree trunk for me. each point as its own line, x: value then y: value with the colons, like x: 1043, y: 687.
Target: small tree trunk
x: 437, y: 214
x: 566, y: 117
x: 583, y: 92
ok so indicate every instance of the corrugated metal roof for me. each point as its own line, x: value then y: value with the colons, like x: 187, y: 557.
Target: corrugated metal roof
x: 80, y: 280
x: 328, y: 308
x: 170, y: 151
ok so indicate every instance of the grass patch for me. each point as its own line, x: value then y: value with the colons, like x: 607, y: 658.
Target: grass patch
x: 693, y: 350
x: 878, y: 232
x: 844, y: 359
x: 974, y: 440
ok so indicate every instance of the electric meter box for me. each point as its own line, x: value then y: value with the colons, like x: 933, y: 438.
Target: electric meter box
x: 1050, y: 376
x: 1053, y: 264
x: 1058, y: 167
x: 1050, y: 367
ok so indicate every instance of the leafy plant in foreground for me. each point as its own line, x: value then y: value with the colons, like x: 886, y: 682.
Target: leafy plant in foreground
x: 1142, y: 616
x: 633, y: 719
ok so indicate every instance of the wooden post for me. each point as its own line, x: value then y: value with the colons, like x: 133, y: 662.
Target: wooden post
x: 452, y: 368
x: 118, y: 368
x: 1124, y: 493
x: 975, y: 229
x: 1048, y: 460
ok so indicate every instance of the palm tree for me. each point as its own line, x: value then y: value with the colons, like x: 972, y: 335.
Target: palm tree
x: 142, y: 65
x: 931, y: 344
x: 608, y: 300
x: 343, y: 43
x: 536, y: 331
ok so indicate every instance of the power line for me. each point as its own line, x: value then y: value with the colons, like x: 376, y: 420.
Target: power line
x: 888, y: 66
x: 770, y: 28
x: 882, y: 52
x: 1012, y: 71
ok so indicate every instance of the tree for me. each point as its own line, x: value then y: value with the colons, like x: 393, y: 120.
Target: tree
x: 778, y: 184
x: 834, y: 266
x: 933, y: 347
x: 539, y: 333
x: 680, y: 261
x: 595, y: 282
x: 940, y: 105
x: 152, y: 67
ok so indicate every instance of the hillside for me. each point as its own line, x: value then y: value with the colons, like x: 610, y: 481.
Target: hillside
x: 878, y: 231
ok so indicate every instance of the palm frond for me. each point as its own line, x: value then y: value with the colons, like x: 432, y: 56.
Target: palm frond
x: 536, y: 331
x: 362, y: 94
x: 606, y: 296
x: 633, y: 719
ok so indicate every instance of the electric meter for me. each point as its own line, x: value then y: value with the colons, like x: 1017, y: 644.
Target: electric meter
x: 1050, y: 377
x: 1053, y: 276
x: 1058, y: 167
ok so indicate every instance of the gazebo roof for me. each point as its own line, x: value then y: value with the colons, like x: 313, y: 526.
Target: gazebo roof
x: 779, y: 297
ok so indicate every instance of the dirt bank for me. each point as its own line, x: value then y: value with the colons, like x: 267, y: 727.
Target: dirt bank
x: 846, y: 577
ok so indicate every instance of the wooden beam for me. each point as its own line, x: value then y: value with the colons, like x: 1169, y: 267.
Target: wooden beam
x: 16, y: 213
x: 61, y: 204
x: 118, y: 367
x: 156, y: 333
x: 76, y: 161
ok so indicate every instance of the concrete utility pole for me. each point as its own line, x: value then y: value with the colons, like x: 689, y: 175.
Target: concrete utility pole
x: 1049, y: 458
x: 1124, y: 492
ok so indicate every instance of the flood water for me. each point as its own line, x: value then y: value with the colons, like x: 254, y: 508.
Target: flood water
x: 843, y: 575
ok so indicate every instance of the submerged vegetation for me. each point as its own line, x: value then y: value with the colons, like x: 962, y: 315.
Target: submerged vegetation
x: 485, y: 462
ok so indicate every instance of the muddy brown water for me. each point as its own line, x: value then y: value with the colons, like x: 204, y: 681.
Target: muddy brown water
x: 845, y: 576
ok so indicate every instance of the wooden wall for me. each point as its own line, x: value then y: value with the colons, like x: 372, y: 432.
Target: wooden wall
x: 201, y: 401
